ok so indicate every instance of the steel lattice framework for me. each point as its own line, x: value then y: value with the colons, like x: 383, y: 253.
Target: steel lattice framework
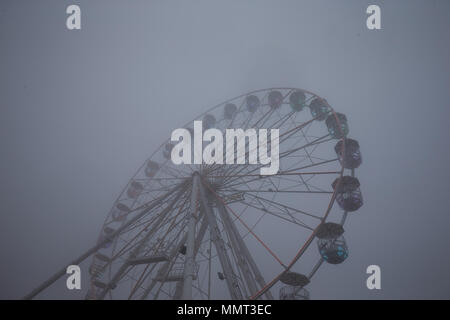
x: 225, y: 231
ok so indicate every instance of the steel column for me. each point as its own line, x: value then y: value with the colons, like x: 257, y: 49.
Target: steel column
x: 258, y: 276
x: 240, y: 255
x: 190, y: 243
x: 230, y: 276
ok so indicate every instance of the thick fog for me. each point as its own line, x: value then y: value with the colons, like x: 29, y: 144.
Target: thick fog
x: 80, y: 111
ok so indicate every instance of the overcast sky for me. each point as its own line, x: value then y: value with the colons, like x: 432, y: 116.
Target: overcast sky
x: 81, y: 110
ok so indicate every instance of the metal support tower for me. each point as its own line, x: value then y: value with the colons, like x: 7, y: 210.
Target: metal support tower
x: 230, y: 275
x: 189, y: 264
x: 245, y: 260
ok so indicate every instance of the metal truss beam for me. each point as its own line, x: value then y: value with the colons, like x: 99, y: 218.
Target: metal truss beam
x: 246, y: 257
x: 99, y: 245
x: 230, y: 276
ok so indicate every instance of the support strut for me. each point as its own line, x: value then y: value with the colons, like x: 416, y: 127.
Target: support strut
x: 245, y: 257
x: 230, y: 276
x: 189, y: 264
x: 99, y: 245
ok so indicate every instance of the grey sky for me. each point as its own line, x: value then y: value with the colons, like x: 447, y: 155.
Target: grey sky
x: 81, y: 110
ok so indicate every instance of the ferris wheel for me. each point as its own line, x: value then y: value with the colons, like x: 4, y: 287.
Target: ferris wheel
x: 224, y: 231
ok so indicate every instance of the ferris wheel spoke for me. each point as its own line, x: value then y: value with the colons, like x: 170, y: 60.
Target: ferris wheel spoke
x: 144, y: 273
x: 314, y: 148
x: 286, y: 207
x: 150, y: 191
x: 253, y: 178
x: 282, y: 119
x: 305, y: 149
x: 280, y: 191
x: 304, y: 183
x: 136, y: 250
x: 238, y: 181
x: 271, y: 111
x: 198, y: 241
x: 160, y: 205
x: 278, y: 174
x: 315, y: 268
x: 282, y: 155
x: 174, y: 172
x: 266, y: 119
x: 292, y: 220
x: 169, y: 178
x: 316, y: 141
x: 265, y: 115
x: 246, y: 122
x: 249, y: 267
x: 240, y: 112
x: 292, y: 211
x: 141, y: 223
x: 292, y: 131
x: 260, y: 112
x: 246, y: 226
x: 128, y: 244
x: 311, y: 165
x: 164, y: 270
